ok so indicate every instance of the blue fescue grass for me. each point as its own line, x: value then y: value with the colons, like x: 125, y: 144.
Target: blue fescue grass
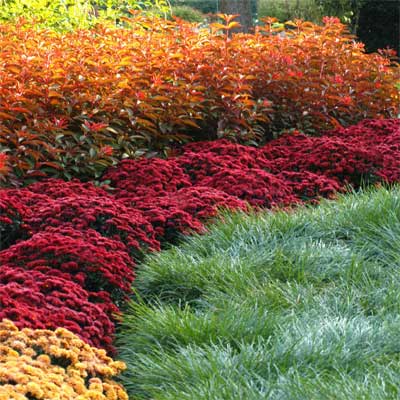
x: 287, y: 305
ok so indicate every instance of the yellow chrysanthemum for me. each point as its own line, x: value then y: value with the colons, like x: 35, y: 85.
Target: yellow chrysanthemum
x: 54, y: 365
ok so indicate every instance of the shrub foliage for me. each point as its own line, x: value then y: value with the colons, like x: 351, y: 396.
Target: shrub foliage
x: 75, y: 103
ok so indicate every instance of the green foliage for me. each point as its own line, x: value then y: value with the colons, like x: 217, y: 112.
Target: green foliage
x: 299, y: 305
x: 310, y: 10
x: 66, y: 15
x: 58, y: 14
x: 205, y: 6
x: 187, y: 13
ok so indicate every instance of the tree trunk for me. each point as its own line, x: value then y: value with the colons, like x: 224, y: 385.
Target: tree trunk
x: 242, y: 7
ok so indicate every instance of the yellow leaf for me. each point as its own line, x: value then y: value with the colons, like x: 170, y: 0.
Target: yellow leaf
x: 90, y: 62
x: 177, y: 55
x: 16, y: 69
x: 233, y: 24
x: 125, y: 61
x: 290, y: 23
x: 216, y: 25
x: 124, y: 84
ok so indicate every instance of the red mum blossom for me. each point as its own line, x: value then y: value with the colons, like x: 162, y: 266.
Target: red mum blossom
x: 12, y: 226
x: 103, y: 214
x: 95, y: 268
x: 33, y: 299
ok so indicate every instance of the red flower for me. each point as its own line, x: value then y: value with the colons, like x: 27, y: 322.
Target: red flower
x: 141, y: 95
x: 48, y: 299
x: 61, y: 123
x: 347, y: 100
x: 330, y: 20
x: 107, y: 150
x: 4, y: 169
x: 95, y: 126
x: 338, y: 79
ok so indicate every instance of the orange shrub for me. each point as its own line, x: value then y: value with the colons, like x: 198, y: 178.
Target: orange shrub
x: 74, y: 103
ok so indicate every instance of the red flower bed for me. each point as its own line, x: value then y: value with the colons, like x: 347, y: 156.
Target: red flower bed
x: 204, y: 159
x: 84, y: 211
x: 48, y: 300
x: 147, y: 177
x: 70, y: 246
x: 349, y: 161
x: 57, y: 188
x: 93, y: 267
x: 258, y: 187
x: 308, y: 186
x: 11, y: 220
x: 183, y: 211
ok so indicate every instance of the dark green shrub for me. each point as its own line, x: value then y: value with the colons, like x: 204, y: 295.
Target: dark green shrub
x: 205, y: 6
x: 187, y: 13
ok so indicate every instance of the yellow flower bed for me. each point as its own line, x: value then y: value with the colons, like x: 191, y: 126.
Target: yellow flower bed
x: 54, y: 365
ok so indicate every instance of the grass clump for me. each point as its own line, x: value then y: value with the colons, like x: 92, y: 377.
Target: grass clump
x: 294, y: 305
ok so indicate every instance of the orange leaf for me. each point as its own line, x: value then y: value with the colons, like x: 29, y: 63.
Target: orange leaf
x: 161, y: 98
x: 4, y: 115
x: 145, y: 122
x: 53, y: 93
x: 21, y: 109
x: 227, y: 18
x: 189, y: 122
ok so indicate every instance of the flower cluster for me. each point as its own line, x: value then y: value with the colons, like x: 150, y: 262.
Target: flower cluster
x: 11, y: 224
x: 347, y: 160
x: 258, y: 187
x: 56, y: 188
x: 183, y: 211
x: 100, y: 213
x: 93, y: 267
x: 147, y: 177
x: 44, y: 364
x: 47, y: 299
x: 308, y: 186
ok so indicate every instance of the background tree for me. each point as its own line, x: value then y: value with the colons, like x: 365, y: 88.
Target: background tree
x: 378, y: 24
x: 242, y: 7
